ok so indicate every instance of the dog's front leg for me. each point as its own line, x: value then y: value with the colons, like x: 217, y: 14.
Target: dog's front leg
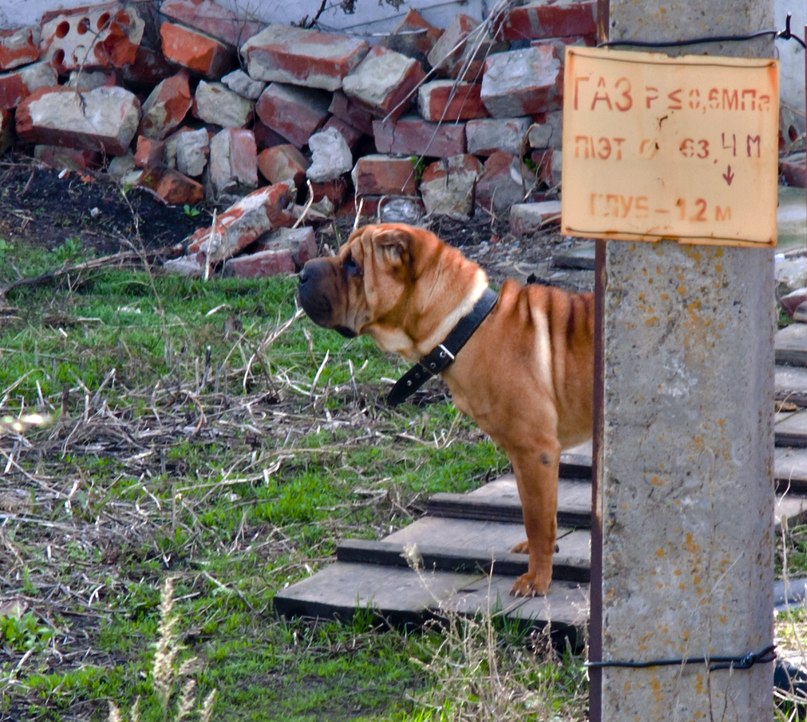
x: 536, y: 471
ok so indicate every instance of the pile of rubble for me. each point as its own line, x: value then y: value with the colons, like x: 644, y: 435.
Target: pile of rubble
x: 198, y: 103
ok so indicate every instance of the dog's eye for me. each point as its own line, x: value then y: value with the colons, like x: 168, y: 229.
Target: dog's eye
x: 351, y: 267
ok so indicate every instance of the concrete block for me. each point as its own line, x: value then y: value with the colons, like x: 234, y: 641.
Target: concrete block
x: 487, y: 136
x: 287, y: 54
x: 172, y: 186
x: 540, y: 19
x: 239, y: 82
x: 283, y: 163
x: 522, y: 82
x: 450, y: 100
x: 166, y: 106
x: 413, y: 36
x: 384, y: 82
x: 18, y: 46
x: 192, y: 149
x: 216, y: 104
x: 20, y: 83
x: 149, y: 152
x: 233, y: 165
x: 296, y: 113
x: 447, y: 186
x: 529, y: 218
x: 98, y: 36
x: 504, y: 181
x: 104, y: 119
x: 330, y: 156
x: 260, y: 264
x: 346, y: 110
x: 411, y: 135
x: 380, y: 175
x: 196, y: 51
x: 212, y: 18
x: 244, y: 222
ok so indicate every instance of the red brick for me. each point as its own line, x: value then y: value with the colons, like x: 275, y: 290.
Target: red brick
x: 384, y: 82
x: 260, y: 264
x: 500, y: 186
x: 17, y: 85
x: 449, y: 100
x: 462, y: 49
x: 295, y: 113
x: 343, y: 108
x: 172, y: 186
x: 18, y: 46
x: 353, y: 136
x: 95, y: 36
x: 283, y: 162
x: 103, y: 119
x: 793, y: 169
x: 522, y: 82
x: 288, y: 54
x: 412, y: 135
x: 265, y: 137
x: 447, y: 186
x: 540, y: 19
x: 335, y: 191
x: 233, y: 166
x: 149, y: 152
x: 70, y: 158
x: 300, y: 241
x: 166, y: 106
x: 196, y: 51
x: 244, y: 222
x: 413, y: 36
x: 213, y: 19
x: 384, y: 175
x: 148, y: 69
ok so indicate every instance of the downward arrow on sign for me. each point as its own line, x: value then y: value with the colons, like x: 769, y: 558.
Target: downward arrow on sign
x: 728, y: 176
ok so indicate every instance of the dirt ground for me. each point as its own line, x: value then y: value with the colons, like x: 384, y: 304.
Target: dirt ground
x: 45, y: 207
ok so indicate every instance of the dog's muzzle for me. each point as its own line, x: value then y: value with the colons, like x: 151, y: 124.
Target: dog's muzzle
x: 314, y: 280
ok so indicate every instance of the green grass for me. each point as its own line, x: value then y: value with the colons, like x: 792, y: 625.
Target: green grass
x: 190, y: 440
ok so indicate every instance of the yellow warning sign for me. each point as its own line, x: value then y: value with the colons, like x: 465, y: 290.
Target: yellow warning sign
x: 658, y: 147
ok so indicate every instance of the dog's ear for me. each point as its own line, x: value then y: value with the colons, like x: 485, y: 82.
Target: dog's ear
x: 394, y: 244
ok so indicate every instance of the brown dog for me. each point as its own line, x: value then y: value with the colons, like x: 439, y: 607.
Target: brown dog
x: 525, y: 374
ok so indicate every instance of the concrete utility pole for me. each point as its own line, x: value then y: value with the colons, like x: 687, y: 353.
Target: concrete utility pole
x: 685, y: 499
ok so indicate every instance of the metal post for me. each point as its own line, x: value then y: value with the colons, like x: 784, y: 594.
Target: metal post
x: 684, y: 445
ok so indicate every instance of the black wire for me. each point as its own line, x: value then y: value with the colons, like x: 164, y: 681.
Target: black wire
x: 747, y: 661
x: 785, y: 34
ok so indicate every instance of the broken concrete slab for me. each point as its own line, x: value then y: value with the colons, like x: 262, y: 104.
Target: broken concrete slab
x: 528, y: 218
x: 192, y: 149
x: 239, y: 82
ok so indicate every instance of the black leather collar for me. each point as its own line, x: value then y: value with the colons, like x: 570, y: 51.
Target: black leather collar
x: 443, y: 354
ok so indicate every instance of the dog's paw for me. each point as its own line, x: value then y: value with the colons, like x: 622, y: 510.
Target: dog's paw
x: 521, y: 548
x: 529, y: 586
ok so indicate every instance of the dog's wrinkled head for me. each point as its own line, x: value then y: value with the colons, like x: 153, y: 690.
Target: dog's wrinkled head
x: 383, y: 282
